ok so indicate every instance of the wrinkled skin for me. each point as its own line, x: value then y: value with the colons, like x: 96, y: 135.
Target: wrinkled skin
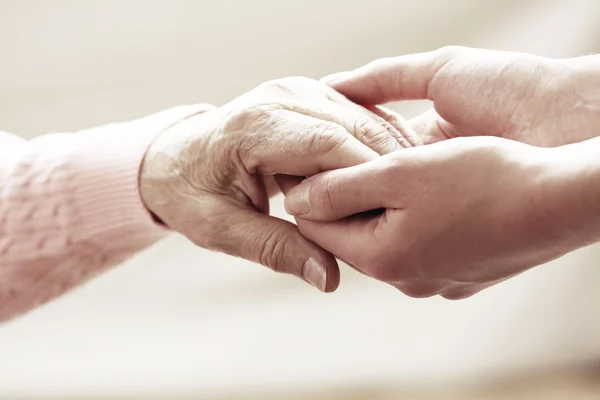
x: 210, y: 176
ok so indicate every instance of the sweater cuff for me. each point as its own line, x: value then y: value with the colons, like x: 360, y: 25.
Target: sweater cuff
x: 105, y: 179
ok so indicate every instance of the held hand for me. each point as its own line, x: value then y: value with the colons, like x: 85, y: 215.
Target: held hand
x: 535, y: 100
x: 455, y: 217
x: 206, y: 177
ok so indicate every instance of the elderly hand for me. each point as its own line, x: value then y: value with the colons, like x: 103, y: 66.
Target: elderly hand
x: 205, y: 177
x: 454, y: 217
x: 540, y: 101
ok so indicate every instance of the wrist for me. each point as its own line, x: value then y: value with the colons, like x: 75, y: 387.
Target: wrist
x: 583, y: 75
x: 166, y: 165
x: 565, y: 106
x: 571, y: 189
x: 580, y: 101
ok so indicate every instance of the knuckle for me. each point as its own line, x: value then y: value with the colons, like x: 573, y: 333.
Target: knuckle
x: 325, y: 192
x: 325, y: 139
x: 361, y: 126
x: 450, y: 52
x: 242, y: 118
x: 282, y: 84
x: 271, y: 249
x: 287, y: 84
x: 380, y: 63
x: 273, y: 83
x: 375, y: 135
x: 298, y: 80
x: 241, y: 129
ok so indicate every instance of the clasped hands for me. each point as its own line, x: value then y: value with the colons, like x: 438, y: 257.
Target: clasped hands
x: 466, y: 195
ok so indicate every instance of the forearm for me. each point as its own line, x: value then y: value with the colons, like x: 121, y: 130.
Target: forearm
x: 70, y: 207
x: 574, y: 200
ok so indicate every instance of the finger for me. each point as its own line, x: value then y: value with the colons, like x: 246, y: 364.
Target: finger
x: 302, y: 146
x: 271, y: 185
x: 399, y: 78
x: 396, y: 125
x: 257, y: 193
x: 400, y: 123
x: 344, y: 192
x: 287, y: 182
x: 350, y: 239
x: 329, y: 79
x: 270, y: 241
x: 342, y: 237
x: 432, y: 128
x: 369, y: 129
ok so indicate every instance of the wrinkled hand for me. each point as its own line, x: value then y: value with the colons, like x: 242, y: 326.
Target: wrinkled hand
x: 205, y: 177
x: 453, y: 217
x: 540, y: 101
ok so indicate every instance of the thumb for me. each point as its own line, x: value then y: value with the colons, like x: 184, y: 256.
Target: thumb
x: 396, y: 78
x: 430, y: 127
x: 272, y: 242
x: 329, y: 79
x: 340, y: 193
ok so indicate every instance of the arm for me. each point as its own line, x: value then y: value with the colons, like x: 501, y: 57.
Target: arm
x: 70, y: 207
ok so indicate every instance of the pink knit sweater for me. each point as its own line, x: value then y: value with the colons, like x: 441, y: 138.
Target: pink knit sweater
x: 70, y: 207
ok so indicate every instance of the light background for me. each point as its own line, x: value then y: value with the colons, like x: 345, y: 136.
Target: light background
x: 180, y: 321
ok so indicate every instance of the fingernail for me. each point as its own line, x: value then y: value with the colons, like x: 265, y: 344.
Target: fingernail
x: 315, y: 273
x: 331, y: 79
x: 297, y: 201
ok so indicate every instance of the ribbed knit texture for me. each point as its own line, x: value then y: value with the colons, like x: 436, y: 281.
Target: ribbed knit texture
x: 70, y: 207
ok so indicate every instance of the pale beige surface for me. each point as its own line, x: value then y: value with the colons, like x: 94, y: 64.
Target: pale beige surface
x: 182, y: 321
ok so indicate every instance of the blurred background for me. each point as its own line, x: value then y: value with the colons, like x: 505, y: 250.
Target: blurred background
x: 181, y: 322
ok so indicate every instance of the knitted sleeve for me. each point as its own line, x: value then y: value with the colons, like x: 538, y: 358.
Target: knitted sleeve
x: 70, y: 207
